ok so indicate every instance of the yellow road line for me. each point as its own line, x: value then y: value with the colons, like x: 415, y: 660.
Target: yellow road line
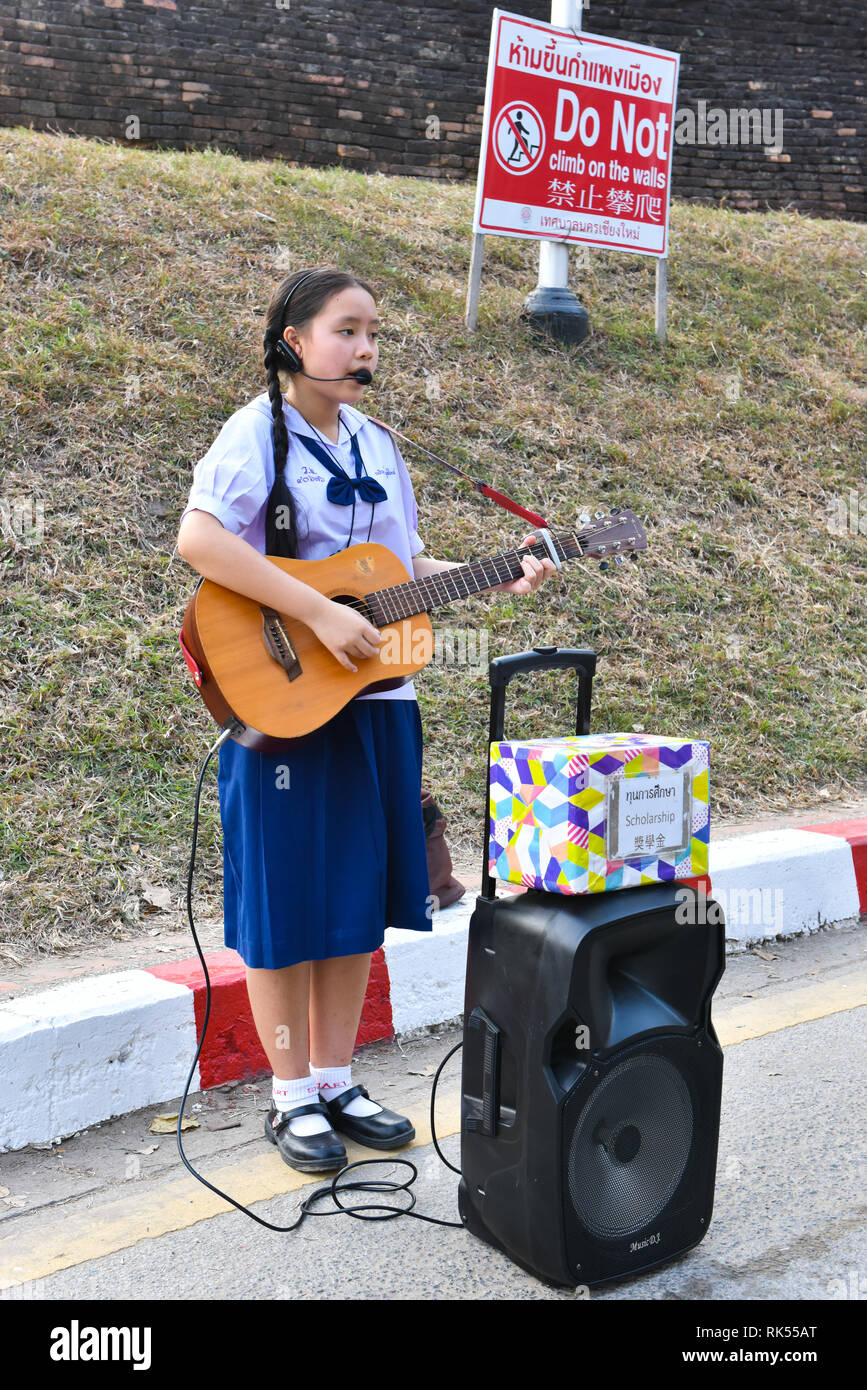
x: 739, y: 1019
x: 93, y: 1227
x: 90, y: 1230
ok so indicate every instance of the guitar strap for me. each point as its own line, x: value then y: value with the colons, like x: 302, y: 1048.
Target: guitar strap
x: 486, y: 490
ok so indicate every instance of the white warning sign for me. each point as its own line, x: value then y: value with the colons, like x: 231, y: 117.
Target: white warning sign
x: 519, y: 138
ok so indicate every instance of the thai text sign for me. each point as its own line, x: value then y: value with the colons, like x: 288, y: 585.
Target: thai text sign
x: 648, y: 813
x: 577, y: 138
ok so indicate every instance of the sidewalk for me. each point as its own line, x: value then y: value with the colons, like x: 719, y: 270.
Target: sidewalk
x: 105, y: 1031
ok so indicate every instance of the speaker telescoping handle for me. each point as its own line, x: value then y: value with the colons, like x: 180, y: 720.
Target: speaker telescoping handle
x: 500, y: 672
x: 503, y: 668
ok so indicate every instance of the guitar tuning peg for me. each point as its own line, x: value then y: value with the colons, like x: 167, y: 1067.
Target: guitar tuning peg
x: 599, y: 515
x: 584, y: 519
x: 634, y: 555
x: 603, y: 565
x: 618, y: 559
x: 614, y: 511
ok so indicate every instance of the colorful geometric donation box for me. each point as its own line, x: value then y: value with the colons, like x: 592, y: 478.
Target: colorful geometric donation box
x: 598, y: 811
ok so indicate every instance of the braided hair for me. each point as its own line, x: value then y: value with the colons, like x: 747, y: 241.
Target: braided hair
x: 281, y: 522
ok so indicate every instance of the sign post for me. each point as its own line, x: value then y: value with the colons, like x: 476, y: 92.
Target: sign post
x: 552, y: 307
x: 577, y: 146
x: 661, y: 297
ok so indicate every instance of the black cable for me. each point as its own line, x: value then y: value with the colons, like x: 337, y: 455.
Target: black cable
x: 433, y: 1096
x: 332, y: 1188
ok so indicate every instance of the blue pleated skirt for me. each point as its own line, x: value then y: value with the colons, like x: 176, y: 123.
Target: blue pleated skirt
x: 324, y: 845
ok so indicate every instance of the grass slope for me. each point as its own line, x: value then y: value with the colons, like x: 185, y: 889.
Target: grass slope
x: 134, y: 283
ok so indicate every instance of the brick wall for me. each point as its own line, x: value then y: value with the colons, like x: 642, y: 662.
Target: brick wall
x: 399, y: 88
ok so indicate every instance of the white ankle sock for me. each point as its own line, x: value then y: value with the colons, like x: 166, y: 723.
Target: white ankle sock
x: 332, y: 1081
x: 289, y: 1095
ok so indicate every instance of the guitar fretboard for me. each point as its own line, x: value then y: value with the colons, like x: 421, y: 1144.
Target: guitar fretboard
x: 437, y: 590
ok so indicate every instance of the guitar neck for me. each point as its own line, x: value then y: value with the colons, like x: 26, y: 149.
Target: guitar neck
x: 437, y: 590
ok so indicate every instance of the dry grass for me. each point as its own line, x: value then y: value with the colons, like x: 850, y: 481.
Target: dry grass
x: 134, y: 283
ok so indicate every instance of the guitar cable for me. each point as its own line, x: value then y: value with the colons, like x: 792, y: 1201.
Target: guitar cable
x: 363, y: 1211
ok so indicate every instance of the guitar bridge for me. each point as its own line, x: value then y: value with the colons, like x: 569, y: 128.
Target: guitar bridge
x: 279, y: 644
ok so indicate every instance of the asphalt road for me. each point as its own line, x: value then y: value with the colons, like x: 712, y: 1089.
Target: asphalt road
x: 112, y: 1214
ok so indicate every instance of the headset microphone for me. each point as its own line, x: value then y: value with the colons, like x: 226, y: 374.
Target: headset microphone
x: 289, y: 359
x: 363, y: 376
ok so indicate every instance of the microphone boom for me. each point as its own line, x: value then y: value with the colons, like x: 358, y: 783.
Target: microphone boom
x: 362, y: 376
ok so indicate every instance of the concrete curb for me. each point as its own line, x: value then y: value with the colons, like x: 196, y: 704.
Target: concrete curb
x: 80, y: 1053
x: 780, y: 883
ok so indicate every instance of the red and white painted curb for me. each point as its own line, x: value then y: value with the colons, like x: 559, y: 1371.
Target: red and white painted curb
x: 83, y: 1052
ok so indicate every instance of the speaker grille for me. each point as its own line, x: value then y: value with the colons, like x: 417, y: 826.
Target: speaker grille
x: 630, y: 1146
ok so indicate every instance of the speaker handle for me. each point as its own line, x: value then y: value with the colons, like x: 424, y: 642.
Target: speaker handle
x: 503, y: 668
x: 486, y: 1123
x: 500, y: 672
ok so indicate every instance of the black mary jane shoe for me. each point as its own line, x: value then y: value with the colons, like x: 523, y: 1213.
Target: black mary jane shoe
x: 384, y: 1130
x: 309, y: 1153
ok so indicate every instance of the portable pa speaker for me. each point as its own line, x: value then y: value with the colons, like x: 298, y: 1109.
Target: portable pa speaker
x: 592, y: 1076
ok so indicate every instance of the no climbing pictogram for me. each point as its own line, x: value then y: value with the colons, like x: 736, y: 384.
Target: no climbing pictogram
x: 519, y: 138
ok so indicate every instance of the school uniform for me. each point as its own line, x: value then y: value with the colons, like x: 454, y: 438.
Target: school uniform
x: 317, y: 861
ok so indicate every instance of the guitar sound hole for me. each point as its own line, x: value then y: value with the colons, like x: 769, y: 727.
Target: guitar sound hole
x: 352, y: 601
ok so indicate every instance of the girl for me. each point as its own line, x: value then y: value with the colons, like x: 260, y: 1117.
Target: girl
x: 314, y: 871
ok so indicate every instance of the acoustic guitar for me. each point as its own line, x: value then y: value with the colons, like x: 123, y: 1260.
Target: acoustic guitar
x: 272, y: 675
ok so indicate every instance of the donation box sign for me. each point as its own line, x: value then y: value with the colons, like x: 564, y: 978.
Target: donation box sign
x: 577, y: 138
x: 598, y: 812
